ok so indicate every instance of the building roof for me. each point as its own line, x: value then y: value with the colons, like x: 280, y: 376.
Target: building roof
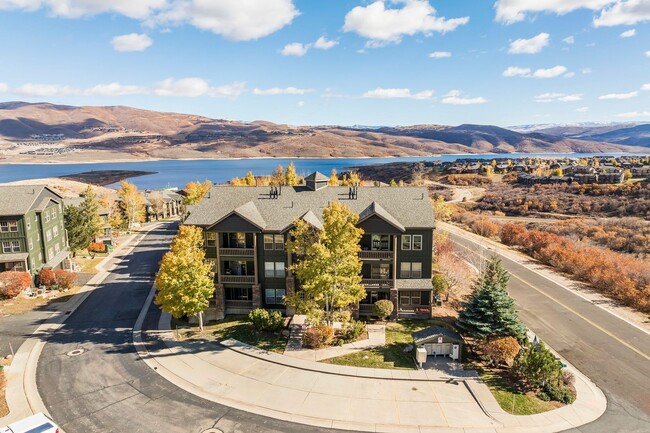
x: 414, y: 283
x: 433, y: 332
x: 317, y: 176
x: 20, y: 199
x: 376, y: 209
x: 13, y: 257
x: 407, y: 207
x: 76, y: 202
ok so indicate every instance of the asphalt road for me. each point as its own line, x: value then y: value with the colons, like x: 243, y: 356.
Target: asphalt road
x: 107, y: 388
x: 610, y: 351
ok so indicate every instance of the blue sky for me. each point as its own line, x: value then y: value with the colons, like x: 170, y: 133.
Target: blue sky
x: 503, y: 62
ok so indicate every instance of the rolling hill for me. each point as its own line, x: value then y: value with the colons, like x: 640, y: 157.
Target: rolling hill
x: 630, y: 134
x: 29, y: 132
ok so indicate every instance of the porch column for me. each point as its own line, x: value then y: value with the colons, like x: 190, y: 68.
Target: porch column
x: 394, y: 296
x: 290, y: 289
x: 257, y: 280
x: 257, y: 296
x: 220, y: 301
x: 218, y: 243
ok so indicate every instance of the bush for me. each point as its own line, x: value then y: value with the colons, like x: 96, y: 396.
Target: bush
x: 96, y: 247
x: 318, y: 337
x: 64, y: 279
x: 568, y: 378
x: 559, y: 393
x: 383, y: 309
x: 46, y: 278
x: 537, y: 366
x: 353, y: 330
x: 12, y: 283
x: 501, y: 351
x: 484, y: 227
x: 264, y: 320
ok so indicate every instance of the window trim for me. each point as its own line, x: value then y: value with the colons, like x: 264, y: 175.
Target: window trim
x: 403, y: 242
x: 410, y: 274
x: 276, y: 270
x: 413, y: 241
x: 210, y: 242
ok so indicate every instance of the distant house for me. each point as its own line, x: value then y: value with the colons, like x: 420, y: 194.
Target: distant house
x: 161, y: 204
x: 32, y: 234
x: 640, y: 171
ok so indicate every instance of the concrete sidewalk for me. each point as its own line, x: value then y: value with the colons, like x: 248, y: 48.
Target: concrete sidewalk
x: 22, y: 394
x: 297, y: 390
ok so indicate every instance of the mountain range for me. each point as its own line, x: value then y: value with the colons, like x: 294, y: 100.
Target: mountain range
x: 35, y: 132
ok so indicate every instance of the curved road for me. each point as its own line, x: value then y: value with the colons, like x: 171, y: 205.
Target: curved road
x: 107, y: 388
x: 612, y: 353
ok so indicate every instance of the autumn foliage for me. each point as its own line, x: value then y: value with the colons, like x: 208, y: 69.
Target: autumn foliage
x: 623, y: 278
x: 12, y: 283
x: 46, y: 277
x: 64, y: 279
x: 96, y: 247
x: 501, y: 351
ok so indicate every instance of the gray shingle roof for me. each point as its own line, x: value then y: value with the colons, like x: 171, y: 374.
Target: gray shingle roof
x: 376, y: 209
x: 409, y: 207
x: 435, y: 331
x: 20, y: 199
x: 317, y: 176
x: 414, y: 283
x: 13, y: 257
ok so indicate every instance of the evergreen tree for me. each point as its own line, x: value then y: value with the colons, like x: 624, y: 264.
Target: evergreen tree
x: 490, y: 313
x: 538, y: 366
x: 82, y: 223
x: 185, y: 281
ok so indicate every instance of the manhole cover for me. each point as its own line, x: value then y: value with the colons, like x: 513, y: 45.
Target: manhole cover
x: 75, y: 352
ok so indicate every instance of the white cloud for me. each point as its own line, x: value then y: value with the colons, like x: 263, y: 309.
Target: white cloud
x: 529, y: 46
x: 382, y: 25
x: 582, y: 109
x: 644, y: 87
x: 323, y: 44
x: 4, y: 87
x: 138, y: 9
x: 239, y: 20
x: 634, y: 114
x: 193, y: 87
x: 647, y: 53
x: 626, y: 12
x: 569, y: 40
x: 511, y: 11
x: 514, y: 71
x: 230, y: 91
x: 131, y: 42
x: 557, y: 97
x: 282, y: 91
x: 619, y: 96
x: 569, y: 75
x: 45, y: 90
x: 628, y: 33
x: 586, y: 71
x: 300, y: 104
x: 403, y: 93
x: 114, y: 89
x: 440, y: 55
x: 295, y: 49
x: 455, y: 98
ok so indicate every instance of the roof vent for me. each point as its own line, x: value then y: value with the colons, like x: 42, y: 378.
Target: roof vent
x: 274, y: 193
x: 353, y: 192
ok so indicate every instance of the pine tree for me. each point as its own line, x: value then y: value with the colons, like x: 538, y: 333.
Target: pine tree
x: 490, y: 312
x: 82, y: 223
x: 185, y: 281
x: 290, y: 177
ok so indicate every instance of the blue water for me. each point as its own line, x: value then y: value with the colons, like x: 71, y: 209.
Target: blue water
x: 176, y: 173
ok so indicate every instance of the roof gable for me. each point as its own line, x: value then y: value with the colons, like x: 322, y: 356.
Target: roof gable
x: 375, y: 209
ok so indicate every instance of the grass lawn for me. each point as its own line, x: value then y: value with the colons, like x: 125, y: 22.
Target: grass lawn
x: 87, y: 265
x: 237, y: 327
x: 4, y: 409
x: 392, y: 355
x: 513, y: 400
x: 21, y: 304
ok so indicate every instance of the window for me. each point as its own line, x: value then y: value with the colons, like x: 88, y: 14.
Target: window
x: 274, y: 269
x: 210, y: 239
x: 380, y: 271
x: 274, y: 242
x: 31, y: 245
x: 417, y: 242
x: 411, y: 270
x: 48, y: 235
x: 6, y: 247
x: 239, y: 293
x: 47, y: 216
x: 55, y: 231
x: 57, y: 248
x: 53, y: 213
x: 406, y: 242
x: 13, y: 266
x: 380, y: 242
x: 411, y: 298
x: 8, y: 226
x: 274, y: 296
x: 237, y: 240
x: 50, y: 253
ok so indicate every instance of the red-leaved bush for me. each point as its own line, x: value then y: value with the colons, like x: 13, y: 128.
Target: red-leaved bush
x: 46, y: 277
x: 65, y: 279
x: 12, y: 283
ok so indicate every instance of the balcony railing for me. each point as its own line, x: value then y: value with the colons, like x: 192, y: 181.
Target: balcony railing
x: 376, y: 283
x: 239, y: 304
x: 376, y: 255
x: 365, y: 309
x: 415, y: 309
x: 238, y: 279
x: 238, y: 252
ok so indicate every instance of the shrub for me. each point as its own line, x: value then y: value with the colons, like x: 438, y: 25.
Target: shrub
x: 264, y: 320
x: 64, y: 279
x: 568, y: 378
x: 96, y: 247
x: 46, y: 277
x: 383, y: 309
x: 537, y: 366
x: 318, y: 337
x: 501, y: 351
x: 484, y: 227
x: 353, y: 330
x: 559, y: 393
x: 12, y: 283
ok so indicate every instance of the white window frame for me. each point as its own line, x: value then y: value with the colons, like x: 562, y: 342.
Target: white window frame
x: 53, y: 214
x: 414, y: 241
x: 31, y: 244
x: 57, y: 248
x: 406, y: 239
x: 273, y: 242
x: 55, y: 231
x: 411, y: 272
x: 6, y: 247
x: 210, y: 239
x: 15, y: 246
x: 274, y: 270
x: 47, y: 216
x: 48, y: 235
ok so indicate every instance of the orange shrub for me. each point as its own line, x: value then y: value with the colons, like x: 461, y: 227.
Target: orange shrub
x: 12, y: 283
x: 501, y: 350
x: 65, y: 279
x: 46, y: 277
x: 484, y: 227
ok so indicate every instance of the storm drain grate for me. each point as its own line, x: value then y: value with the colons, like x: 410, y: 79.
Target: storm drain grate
x: 75, y: 352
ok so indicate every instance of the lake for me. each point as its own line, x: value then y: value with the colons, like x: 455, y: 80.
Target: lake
x: 176, y: 173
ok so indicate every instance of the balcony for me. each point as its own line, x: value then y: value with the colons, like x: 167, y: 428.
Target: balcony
x: 236, y: 252
x: 377, y: 283
x: 376, y: 255
x: 239, y: 304
x: 365, y: 309
x: 240, y: 279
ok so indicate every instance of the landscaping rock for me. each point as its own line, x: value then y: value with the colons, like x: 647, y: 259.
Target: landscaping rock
x: 408, y: 348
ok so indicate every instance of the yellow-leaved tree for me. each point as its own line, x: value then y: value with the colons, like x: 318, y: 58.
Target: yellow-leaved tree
x: 132, y: 203
x: 334, y: 178
x: 290, y: 177
x: 196, y: 191
x: 327, y: 264
x: 185, y: 281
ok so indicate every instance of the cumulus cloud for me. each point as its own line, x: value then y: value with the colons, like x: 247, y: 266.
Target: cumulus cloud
x: 586, y: 71
x: 323, y: 43
x: 382, y: 25
x: 626, y: 12
x: 45, y: 90
x: 557, y: 97
x: 644, y: 87
x: 114, y: 89
x: 4, y: 87
x: 440, y: 55
x: 628, y: 33
x: 402, y: 93
x: 295, y: 49
x: 582, y: 109
x: 131, y: 42
x: 635, y: 114
x: 647, y: 53
x: 529, y: 46
x: 234, y: 19
x: 193, y: 87
x: 619, y: 96
x: 512, y: 11
x: 455, y: 98
x: 569, y: 40
x: 282, y: 91
x: 514, y: 71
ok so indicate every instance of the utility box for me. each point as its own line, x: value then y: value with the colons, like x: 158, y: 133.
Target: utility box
x: 421, y: 355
